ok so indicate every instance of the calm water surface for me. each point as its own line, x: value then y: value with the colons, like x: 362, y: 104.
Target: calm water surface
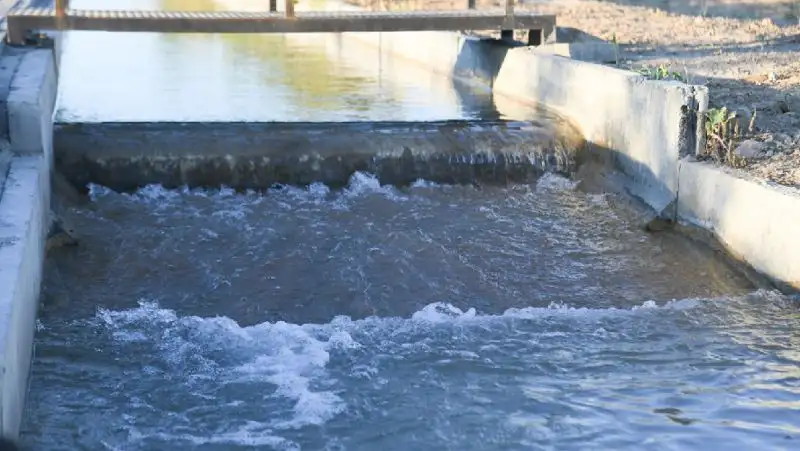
x: 246, y: 77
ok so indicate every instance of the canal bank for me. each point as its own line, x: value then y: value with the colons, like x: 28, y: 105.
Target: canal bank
x: 645, y: 127
x: 29, y: 82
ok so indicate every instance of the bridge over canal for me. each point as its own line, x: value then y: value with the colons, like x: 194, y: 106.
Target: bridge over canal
x: 25, y: 19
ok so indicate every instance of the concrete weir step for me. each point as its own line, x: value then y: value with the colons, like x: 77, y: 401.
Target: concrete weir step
x: 125, y: 156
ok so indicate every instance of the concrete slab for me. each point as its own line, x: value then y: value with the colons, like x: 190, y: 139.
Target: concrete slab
x: 596, y: 52
x: 5, y: 162
x: 24, y: 208
x: 24, y: 221
x: 31, y: 102
x: 755, y: 221
x: 126, y: 156
x: 9, y: 62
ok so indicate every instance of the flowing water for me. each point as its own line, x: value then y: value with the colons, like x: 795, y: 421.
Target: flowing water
x: 372, y: 317
x: 430, y: 317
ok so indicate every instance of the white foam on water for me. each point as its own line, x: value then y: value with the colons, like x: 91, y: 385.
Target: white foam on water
x: 556, y: 182
x: 421, y: 183
x: 362, y: 183
x: 288, y: 356
x: 440, y: 312
x: 295, y: 358
x: 251, y: 433
x: 359, y: 185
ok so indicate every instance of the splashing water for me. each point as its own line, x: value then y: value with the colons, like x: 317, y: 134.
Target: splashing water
x: 432, y: 317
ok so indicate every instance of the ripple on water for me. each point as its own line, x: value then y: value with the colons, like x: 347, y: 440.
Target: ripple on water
x: 426, y: 317
x: 685, y: 371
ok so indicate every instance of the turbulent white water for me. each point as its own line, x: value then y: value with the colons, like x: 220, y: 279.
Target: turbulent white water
x: 443, y: 377
x: 432, y: 317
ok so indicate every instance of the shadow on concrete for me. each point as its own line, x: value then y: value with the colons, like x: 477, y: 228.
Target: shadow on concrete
x: 597, y: 172
x: 480, y: 59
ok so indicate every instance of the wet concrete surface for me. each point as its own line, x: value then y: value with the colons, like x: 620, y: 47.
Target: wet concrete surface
x: 126, y: 156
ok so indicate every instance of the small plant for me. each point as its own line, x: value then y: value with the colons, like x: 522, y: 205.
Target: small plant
x: 723, y: 134
x: 662, y: 72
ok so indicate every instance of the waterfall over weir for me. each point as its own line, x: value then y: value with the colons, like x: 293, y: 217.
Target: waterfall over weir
x: 258, y: 155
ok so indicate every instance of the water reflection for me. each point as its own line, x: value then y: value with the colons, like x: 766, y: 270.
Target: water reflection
x: 245, y: 77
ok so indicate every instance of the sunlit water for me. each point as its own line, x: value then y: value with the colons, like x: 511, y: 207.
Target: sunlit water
x: 432, y: 317
x: 246, y: 77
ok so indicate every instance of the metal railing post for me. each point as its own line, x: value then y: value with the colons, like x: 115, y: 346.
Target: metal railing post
x: 510, y: 12
x: 289, y: 8
x: 507, y: 33
x: 61, y: 13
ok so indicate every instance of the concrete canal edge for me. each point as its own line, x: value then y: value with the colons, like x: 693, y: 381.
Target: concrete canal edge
x: 648, y: 130
x: 30, y: 85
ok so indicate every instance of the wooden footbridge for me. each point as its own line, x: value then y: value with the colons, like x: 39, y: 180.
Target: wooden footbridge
x: 24, y: 22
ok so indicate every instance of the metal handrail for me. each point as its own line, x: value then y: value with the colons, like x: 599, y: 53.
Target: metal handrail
x: 62, y: 6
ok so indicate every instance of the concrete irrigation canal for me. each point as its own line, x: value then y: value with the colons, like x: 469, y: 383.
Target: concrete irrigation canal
x: 395, y: 241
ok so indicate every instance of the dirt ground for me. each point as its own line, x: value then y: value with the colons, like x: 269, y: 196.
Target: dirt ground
x: 746, y: 51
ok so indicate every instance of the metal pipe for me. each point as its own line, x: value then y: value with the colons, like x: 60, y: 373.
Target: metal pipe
x: 289, y: 8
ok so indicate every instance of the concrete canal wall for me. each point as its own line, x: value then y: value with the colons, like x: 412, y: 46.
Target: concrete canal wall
x: 28, y: 87
x: 647, y: 130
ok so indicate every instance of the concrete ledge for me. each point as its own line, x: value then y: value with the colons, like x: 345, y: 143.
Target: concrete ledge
x: 9, y: 62
x: 757, y: 223
x: 125, y: 156
x: 31, y: 101
x: 24, y: 209
x: 24, y: 221
x: 598, y: 52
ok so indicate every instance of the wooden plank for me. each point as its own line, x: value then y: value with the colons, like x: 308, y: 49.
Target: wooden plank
x: 21, y: 21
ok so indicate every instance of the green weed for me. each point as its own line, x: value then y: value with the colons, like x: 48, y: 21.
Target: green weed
x: 723, y: 133
x: 661, y: 72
